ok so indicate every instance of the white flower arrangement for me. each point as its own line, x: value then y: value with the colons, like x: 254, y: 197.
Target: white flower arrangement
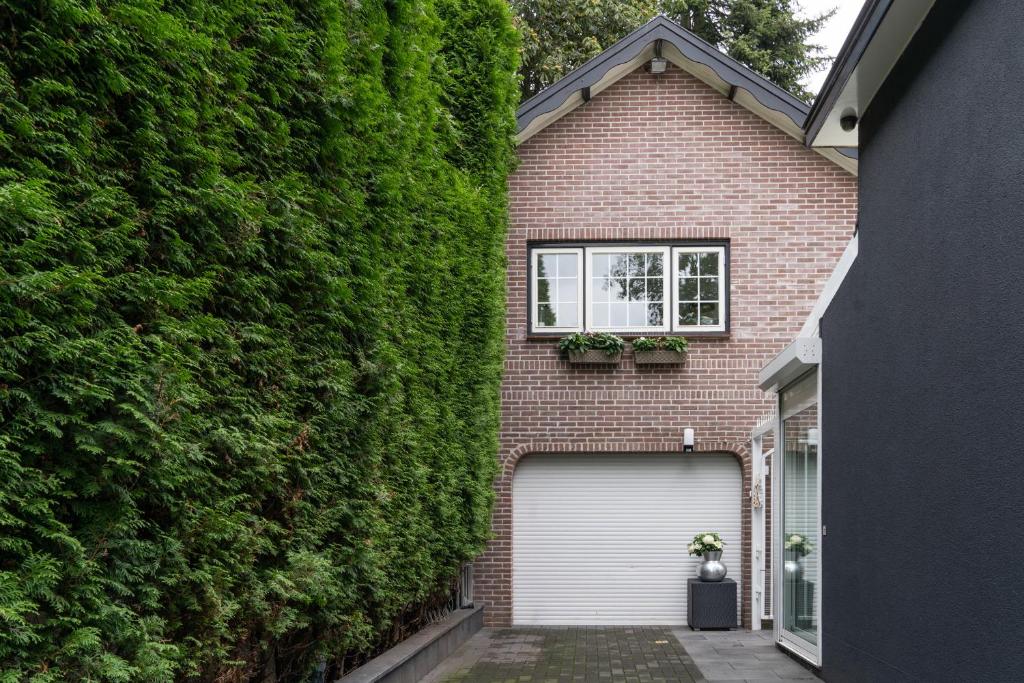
x: 705, y: 542
x: 799, y: 544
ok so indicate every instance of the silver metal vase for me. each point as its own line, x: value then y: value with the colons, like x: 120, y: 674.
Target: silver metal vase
x: 712, y: 569
x: 792, y: 566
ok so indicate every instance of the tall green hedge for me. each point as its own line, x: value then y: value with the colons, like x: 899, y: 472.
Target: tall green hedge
x: 251, y: 299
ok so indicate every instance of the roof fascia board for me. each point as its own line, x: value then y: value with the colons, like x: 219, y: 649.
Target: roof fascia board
x: 691, y: 47
x: 574, y: 99
x: 881, y: 33
x: 871, y: 15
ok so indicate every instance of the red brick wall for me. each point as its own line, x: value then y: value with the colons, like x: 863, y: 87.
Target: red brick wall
x: 662, y: 157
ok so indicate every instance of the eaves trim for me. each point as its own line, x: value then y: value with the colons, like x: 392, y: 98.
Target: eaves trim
x: 693, y: 48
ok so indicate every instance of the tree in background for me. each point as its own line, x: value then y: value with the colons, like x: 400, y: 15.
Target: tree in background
x: 767, y: 35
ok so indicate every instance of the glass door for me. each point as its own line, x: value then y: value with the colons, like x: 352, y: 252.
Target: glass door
x: 798, y: 550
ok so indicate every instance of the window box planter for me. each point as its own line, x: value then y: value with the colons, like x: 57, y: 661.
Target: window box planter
x: 594, y: 357
x: 660, y: 350
x: 659, y: 357
x: 599, y: 348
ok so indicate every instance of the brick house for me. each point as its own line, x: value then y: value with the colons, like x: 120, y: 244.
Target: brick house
x: 663, y: 189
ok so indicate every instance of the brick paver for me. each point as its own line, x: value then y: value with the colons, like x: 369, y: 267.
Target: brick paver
x: 592, y: 654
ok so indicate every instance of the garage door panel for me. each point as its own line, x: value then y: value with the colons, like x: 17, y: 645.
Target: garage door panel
x: 601, y: 539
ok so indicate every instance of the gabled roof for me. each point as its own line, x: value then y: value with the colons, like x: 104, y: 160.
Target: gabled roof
x: 686, y: 51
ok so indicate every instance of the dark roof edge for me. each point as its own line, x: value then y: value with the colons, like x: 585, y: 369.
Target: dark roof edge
x: 692, y: 47
x: 868, y: 21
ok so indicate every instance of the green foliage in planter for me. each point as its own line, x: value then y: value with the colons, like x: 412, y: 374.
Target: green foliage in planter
x: 645, y: 344
x: 574, y: 342
x: 609, y: 343
x: 245, y: 251
x: 603, y: 341
x: 677, y: 344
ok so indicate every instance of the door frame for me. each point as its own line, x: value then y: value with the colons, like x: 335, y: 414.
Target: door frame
x: 792, y: 643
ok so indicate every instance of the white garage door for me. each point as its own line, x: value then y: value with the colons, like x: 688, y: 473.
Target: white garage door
x: 601, y: 539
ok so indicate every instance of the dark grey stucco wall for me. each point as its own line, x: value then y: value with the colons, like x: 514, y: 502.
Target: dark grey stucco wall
x: 923, y: 369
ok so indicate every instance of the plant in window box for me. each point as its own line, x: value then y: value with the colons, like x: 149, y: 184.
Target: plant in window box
x: 599, y: 347
x: 660, y: 350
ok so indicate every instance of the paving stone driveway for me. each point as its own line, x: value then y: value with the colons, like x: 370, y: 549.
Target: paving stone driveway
x: 632, y: 654
x: 749, y: 656
x: 592, y: 654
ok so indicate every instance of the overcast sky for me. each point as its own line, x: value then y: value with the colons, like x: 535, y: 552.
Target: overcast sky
x: 832, y: 34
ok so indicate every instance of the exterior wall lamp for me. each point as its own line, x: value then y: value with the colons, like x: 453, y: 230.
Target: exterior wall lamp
x: 688, y: 440
x: 658, y: 63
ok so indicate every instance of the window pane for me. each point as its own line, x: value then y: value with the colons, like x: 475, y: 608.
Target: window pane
x: 655, y: 265
x: 709, y: 314
x: 637, y: 290
x: 638, y: 315
x: 709, y: 263
x: 617, y: 265
x: 599, y: 265
x: 617, y: 289
x: 799, y: 508
x: 599, y: 289
x: 688, y: 289
x: 618, y: 315
x: 545, y: 315
x: 546, y: 265
x: 709, y: 289
x: 687, y: 314
x: 567, y: 265
x: 655, y: 314
x: 566, y: 290
x: 637, y: 266
x: 544, y: 290
x: 567, y: 315
x: 600, y: 315
x: 654, y: 289
x: 687, y: 264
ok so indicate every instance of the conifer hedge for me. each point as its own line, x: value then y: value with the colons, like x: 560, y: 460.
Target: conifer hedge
x: 251, y: 255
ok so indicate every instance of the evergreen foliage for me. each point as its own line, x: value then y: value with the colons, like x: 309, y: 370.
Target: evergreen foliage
x: 769, y: 36
x: 251, y: 256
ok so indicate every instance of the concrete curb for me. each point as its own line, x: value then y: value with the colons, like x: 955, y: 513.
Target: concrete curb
x: 418, y: 655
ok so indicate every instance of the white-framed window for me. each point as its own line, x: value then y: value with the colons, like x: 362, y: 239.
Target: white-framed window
x: 698, y: 273
x: 629, y: 288
x: 556, y: 298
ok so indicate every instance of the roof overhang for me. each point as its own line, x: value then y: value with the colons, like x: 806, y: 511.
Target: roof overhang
x: 689, y: 53
x: 882, y: 31
x: 802, y: 355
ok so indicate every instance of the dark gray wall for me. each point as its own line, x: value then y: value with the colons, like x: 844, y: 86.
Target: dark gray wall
x: 923, y: 369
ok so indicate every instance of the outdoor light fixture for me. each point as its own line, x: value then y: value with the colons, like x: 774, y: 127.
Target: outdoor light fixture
x: 687, y: 440
x: 848, y: 121
x: 658, y: 63
x: 813, y: 436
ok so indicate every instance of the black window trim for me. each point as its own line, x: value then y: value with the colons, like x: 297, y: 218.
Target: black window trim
x: 578, y: 244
